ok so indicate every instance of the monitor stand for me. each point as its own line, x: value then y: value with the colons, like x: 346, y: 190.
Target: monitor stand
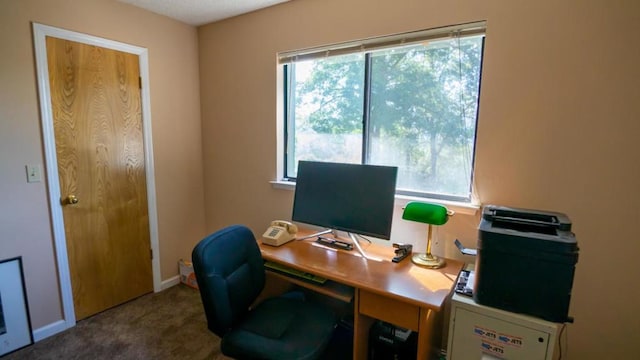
x: 356, y: 242
x: 323, y: 232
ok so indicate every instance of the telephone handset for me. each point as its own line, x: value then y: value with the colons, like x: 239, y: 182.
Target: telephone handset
x: 280, y: 232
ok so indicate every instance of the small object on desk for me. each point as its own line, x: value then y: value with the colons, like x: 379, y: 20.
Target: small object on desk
x: 464, y: 284
x: 402, y: 251
x: 334, y: 243
x: 464, y: 250
x: 294, y: 272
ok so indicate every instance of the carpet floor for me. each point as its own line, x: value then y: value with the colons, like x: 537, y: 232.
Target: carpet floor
x: 166, y: 325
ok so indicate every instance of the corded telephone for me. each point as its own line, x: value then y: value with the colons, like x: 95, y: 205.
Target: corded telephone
x: 280, y: 232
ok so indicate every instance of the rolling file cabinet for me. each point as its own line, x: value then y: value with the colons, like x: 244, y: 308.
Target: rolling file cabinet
x: 482, y: 332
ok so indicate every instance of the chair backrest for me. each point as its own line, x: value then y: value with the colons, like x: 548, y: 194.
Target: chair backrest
x: 230, y: 274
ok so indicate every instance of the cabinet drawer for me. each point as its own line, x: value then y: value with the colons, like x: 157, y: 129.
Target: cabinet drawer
x: 389, y: 310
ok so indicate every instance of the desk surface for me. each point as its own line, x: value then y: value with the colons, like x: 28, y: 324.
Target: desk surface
x: 404, y: 281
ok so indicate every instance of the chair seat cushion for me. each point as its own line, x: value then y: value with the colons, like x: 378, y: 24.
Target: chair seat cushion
x: 282, y: 328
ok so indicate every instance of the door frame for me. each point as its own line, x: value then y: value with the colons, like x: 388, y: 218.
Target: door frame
x: 51, y: 164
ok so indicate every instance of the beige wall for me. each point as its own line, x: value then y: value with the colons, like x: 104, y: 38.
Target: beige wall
x: 558, y: 126
x: 25, y: 225
x: 558, y: 122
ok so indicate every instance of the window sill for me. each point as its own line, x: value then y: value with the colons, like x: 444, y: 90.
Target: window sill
x: 402, y: 200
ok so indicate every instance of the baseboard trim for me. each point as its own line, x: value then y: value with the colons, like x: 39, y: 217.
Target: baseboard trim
x: 49, y: 330
x: 170, y: 282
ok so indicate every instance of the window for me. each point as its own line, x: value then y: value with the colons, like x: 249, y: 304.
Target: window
x: 409, y: 100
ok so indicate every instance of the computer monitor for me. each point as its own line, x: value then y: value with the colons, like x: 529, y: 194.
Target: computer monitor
x: 354, y: 198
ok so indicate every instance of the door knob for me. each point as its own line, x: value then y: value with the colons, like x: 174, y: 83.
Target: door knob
x: 70, y: 200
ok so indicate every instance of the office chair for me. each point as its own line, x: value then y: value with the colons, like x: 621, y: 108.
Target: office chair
x: 230, y: 274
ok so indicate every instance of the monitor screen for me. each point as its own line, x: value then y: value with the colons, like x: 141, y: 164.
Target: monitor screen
x: 349, y: 197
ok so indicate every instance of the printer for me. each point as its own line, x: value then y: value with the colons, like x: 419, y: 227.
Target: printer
x: 525, y: 262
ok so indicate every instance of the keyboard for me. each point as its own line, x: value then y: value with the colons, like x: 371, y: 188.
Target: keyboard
x: 294, y: 272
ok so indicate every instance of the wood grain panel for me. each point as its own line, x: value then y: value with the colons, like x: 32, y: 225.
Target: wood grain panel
x: 389, y: 310
x: 96, y: 105
x: 402, y: 281
x: 400, y: 293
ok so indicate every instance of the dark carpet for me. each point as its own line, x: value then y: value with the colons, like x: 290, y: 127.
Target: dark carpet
x: 166, y: 325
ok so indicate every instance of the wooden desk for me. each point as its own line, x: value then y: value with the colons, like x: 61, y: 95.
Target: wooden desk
x: 399, y: 293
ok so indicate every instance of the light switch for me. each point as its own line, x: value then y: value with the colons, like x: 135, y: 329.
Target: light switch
x: 34, y: 174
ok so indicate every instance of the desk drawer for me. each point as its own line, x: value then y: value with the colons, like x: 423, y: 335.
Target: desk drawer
x: 390, y: 310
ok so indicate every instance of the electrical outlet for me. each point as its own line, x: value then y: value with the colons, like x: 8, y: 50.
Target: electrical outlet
x: 34, y: 174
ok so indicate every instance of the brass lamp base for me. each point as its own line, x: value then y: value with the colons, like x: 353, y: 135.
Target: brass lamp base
x: 428, y: 260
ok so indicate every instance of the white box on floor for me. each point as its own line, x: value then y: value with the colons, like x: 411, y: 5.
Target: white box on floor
x: 187, y: 276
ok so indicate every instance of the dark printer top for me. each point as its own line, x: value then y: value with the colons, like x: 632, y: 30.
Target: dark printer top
x: 522, y: 229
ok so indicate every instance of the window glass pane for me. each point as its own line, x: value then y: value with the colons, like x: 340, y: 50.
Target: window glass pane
x: 423, y: 109
x: 325, y: 110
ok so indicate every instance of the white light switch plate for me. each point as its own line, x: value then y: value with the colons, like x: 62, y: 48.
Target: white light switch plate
x: 34, y: 174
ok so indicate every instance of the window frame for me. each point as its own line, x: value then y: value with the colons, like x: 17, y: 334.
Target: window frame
x: 477, y: 28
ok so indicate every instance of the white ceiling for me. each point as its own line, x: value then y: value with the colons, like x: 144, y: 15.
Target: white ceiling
x: 200, y: 12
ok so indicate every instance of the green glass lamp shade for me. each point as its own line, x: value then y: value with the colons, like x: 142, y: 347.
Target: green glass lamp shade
x: 425, y: 213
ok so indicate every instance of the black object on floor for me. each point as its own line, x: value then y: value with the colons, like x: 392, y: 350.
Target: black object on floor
x: 387, y: 341
x: 341, y: 343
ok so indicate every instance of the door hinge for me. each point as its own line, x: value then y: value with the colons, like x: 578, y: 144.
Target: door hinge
x: 151, y: 254
x: 140, y: 82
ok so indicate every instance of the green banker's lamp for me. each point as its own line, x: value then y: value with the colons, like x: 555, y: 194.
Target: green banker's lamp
x: 431, y: 214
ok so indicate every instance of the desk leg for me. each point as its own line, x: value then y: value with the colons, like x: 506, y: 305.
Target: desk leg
x: 361, y: 336
x: 429, y: 334
x: 361, y: 325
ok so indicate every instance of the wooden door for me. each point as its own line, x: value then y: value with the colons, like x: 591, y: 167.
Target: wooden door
x: 97, y: 119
